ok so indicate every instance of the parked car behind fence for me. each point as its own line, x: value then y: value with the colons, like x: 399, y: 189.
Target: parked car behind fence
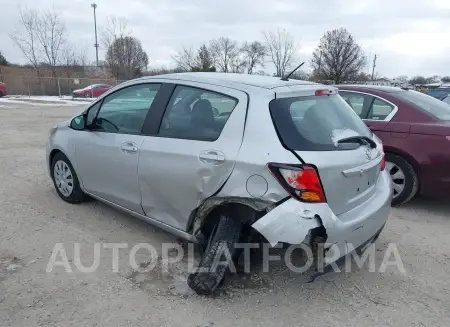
x: 91, y: 91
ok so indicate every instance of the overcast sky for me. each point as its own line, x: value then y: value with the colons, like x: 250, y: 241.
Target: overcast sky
x: 410, y: 37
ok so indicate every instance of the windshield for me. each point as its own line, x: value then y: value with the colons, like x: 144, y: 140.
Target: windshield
x: 315, y: 123
x: 433, y: 106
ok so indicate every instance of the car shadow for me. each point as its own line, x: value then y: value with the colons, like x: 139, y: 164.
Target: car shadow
x: 428, y: 206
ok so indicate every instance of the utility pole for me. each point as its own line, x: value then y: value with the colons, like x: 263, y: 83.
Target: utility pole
x: 374, y: 65
x: 94, y: 5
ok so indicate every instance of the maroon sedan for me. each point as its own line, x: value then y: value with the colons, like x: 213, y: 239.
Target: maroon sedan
x: 415, y: 130
x: 91, y: 91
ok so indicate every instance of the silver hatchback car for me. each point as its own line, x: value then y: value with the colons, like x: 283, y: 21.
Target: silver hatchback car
x: 214, y: 157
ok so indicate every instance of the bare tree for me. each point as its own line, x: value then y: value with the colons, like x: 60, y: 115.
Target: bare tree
x: 418, y: 80
x: 376, y: 76
x: 338, y: 57
x: 82, y: 57
x: 254, y: 54
x: 185, y: 59
x: 70, y: 57
x: 434, y: 79
x: 116, y: 28
x: 445, y: 79
x: 125, y: 58
x: 402, y: 79
x: 300, y: 75
x: 238, y: 65
x: 41, y: 37
x: 124, y: 54
x: 225, y: 52
x: 281, y: 47
x: 50, y: 32
x: 26, y: 39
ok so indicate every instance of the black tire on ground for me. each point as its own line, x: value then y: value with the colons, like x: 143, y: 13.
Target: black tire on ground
x: 77, y: 194
x: 1, y: 94
x: 224, y: 236
x: 87, y: 95
x: 411, y: 179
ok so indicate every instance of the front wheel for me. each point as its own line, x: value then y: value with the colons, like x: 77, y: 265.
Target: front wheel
x: 87, y: 95
x: 66, y: 180
x: 404, y: 179
x: 218, y: 256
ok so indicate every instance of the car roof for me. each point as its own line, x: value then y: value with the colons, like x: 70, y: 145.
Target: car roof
x: 232, y: 79
x: 387, y: 89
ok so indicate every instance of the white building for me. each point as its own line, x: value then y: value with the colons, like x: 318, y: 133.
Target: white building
x: 389, y: 82
x: 382, y: 82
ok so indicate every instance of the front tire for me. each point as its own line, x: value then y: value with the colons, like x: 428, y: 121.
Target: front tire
x: 66, y: 180
x: 88, y: 95
x: 404, y: 179
x: 223, y: 238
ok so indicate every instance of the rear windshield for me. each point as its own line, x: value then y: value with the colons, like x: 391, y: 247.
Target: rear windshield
x: 315, y: 123
x: 433, y: 106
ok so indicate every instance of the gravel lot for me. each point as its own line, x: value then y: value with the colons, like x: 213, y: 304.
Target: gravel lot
x: 33, y: 219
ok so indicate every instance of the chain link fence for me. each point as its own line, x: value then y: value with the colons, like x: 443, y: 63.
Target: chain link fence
x: 53, y: 86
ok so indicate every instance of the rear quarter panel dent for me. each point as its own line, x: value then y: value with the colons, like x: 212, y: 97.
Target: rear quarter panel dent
x: 292, y: 221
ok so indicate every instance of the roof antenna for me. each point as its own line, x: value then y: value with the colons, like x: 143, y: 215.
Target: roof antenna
x: 286, y: 78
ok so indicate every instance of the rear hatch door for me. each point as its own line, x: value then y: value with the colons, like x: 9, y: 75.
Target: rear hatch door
x: 324, y: 131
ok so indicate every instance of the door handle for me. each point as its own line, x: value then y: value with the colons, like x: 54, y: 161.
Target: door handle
x: 212, y: 157
x: 129, y: 147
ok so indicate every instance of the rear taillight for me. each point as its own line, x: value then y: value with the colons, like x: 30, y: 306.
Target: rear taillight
x: 328, y: 91
x: 302, y: 182
x: 383, y: 160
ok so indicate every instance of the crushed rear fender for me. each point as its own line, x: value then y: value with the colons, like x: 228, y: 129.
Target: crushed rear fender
x: 287, y: 224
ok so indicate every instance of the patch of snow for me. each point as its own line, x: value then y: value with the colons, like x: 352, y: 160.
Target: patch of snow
x: 339, y: 134
x: 41, y: 101
x: 12, y: 267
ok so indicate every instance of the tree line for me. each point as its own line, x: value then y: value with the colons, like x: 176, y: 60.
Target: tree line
x: 226, y: 55
x: 338, y: 57
x: 42, y: 38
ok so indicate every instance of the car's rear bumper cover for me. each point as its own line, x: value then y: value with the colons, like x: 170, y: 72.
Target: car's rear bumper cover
x: 292, y: 221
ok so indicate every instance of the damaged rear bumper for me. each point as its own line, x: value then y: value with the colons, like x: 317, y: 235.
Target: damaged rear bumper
x: 292, y: 221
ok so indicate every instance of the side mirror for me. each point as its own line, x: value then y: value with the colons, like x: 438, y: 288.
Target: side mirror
x: 78, y: 123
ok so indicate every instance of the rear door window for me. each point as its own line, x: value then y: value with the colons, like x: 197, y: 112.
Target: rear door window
x: 359, y: 102
x: 315, y: 123
x: 196, y: 114
x: 380, y: 110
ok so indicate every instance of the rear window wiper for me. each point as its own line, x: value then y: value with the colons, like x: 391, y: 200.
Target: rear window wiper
x: 363, y: 140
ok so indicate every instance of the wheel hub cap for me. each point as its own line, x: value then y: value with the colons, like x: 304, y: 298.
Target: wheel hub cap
x: 63, y: 178
x: 397, y: 177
